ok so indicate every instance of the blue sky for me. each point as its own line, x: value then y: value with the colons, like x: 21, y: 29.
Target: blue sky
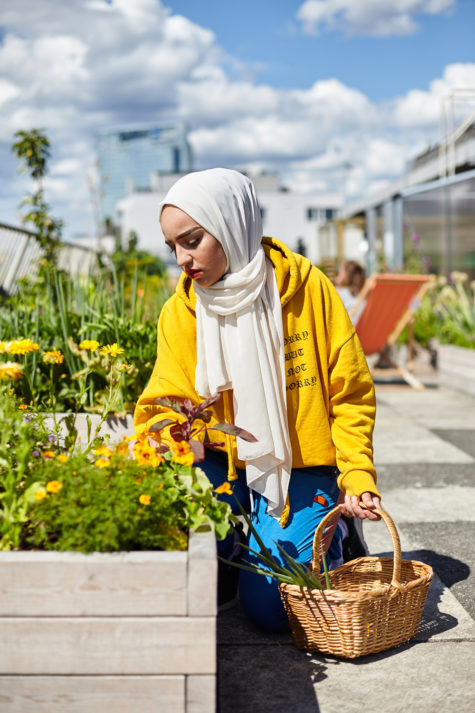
x: 265, y: 35
x: 300, y: 87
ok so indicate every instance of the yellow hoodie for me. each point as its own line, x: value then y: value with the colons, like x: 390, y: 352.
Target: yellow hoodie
x: 330, y: 393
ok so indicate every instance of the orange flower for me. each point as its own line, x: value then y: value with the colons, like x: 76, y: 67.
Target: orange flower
x: 144, y: 499
x: 224, y: 488
x: 145, y: 454
x: 182, y: 453
x: 53, y: 357
x: 10, y: 371
x: 53, y: 486
x: 49, y: 454
x: 103, y: 451
x: 102, y: 462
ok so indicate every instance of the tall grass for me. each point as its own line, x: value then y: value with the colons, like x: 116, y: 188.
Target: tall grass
x: 60, y: 312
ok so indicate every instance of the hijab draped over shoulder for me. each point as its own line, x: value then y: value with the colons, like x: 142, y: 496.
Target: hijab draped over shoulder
x: 239, y: 326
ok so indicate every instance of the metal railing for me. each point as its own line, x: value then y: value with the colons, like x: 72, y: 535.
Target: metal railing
x: 20, y: 256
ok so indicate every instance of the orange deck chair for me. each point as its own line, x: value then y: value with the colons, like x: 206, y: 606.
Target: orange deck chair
x: 389, y: 304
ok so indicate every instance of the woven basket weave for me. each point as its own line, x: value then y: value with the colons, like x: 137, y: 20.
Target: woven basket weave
x: 375, y: 602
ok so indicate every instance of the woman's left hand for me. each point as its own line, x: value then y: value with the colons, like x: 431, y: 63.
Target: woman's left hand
x: 351, y: 506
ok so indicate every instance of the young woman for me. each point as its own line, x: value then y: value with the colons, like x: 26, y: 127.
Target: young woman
x: 349, y: 283
x: 257, y: 323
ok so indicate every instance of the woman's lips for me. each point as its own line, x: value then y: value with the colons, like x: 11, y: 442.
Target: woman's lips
x: 193, y: 273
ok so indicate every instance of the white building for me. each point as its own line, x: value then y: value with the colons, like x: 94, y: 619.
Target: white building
x: 293, y: 218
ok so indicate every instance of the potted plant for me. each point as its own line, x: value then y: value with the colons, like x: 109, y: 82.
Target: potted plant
x: 108, y: 569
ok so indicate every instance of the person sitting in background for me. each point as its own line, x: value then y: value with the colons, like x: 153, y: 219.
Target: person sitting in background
x: 349, y: 283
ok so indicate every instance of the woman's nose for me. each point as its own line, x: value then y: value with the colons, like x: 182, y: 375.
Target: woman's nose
x: 183, y: 259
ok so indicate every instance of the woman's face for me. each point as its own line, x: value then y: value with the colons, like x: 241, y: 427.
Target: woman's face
x: 197, y: 252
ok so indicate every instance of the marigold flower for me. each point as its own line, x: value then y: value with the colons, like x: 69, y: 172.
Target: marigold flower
x: 53, y: 486
x: 144, y: 499
x: 182, y: 453
x: 103, y: 451
x: 49, y: 454
x: 102, y: 462
x: 23, y: 407
x: 11, y: 370
x: 22, y: 346
x: 40, y: 494
x: 224, y: 488
x: 62, y: 457
x: 89, y: 345
x: 112, y: 350
x: 53, y: 357
x: 145, y: 454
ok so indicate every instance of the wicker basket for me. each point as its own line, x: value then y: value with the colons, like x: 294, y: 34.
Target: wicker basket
x: 375, y: 602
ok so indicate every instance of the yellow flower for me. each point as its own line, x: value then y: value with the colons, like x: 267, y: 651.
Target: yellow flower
x: 53, y: 486
x: 4, y: 347
x: 224, y: 488
x: 49, y: 454
x: 53, y: 357
x: 144, y: 499
x: 62, y: 458
x: 182, y: 453
x: 145, y: 454
x: 23, y: 346
x: 112, y: 349
x: 10, y: 370
x: 103, y: 451
x: 102, y: 462
x: 40, y: 494
x: 89, y: 344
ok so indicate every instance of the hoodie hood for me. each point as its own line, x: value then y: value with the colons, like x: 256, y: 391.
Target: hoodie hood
x: 291, y: 271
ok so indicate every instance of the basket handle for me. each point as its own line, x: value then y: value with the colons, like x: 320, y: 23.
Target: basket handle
x: 317, y: 539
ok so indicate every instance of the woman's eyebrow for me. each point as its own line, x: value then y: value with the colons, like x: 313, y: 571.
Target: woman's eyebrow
x: 187, y: 232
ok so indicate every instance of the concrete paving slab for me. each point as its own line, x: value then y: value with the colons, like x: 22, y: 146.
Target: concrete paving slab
x: 435, y: 408
x: 401, y: 440
x: 425, y: 475
x: 429, y: 505
x: 464, y: 439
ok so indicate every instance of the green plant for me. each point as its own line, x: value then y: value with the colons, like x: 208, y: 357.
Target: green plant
x: 292, y: 572
x: 32, y: 148
x: 102, y: 498
x: 60, y: 313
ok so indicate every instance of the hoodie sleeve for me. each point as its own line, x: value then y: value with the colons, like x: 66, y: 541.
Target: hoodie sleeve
x: 173, y: 373
x: 352, y: 414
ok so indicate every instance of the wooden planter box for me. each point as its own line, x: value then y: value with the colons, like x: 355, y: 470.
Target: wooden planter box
x: 456, y: 367
x: 126, y: 632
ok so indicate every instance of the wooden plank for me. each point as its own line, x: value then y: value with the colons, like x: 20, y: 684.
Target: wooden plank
x: 109, y: 645
x: 92, y: 694
x: 200, y: 694
x: 202, y: 575
x: 108, y: 584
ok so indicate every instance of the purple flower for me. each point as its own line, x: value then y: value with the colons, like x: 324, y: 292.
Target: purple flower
x: 27, y: 418
x: 36, y: 453
x: 51, y: 438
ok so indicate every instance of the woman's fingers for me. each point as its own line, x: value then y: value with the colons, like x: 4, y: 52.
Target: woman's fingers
x: 352, y: 508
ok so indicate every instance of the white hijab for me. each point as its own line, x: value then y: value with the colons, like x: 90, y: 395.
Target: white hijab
x: 239, y: 326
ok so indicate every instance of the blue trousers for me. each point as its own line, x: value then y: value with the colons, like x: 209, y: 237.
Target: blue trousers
x: 259, y: 595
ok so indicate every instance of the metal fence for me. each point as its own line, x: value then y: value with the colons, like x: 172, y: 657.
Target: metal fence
x: 20, y: 256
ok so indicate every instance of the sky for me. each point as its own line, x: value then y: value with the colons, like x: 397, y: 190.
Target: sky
x: 331, y: 94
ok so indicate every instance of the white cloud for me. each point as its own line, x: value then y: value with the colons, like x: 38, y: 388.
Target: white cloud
x: 367, y: 17
x: 82, y: 66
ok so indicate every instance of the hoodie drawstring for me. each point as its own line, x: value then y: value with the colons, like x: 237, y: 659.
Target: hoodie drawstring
x: 232, y: 475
